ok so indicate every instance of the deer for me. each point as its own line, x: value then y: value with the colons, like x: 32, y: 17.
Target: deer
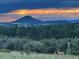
x: 59, y: 52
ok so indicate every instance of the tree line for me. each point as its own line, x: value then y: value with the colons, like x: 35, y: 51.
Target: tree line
x: 41, y: 38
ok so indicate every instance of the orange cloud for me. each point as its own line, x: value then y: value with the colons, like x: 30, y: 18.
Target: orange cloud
x: 16, y: 14
x: 66, y: 12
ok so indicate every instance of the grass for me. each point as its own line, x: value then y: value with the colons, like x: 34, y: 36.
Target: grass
x: 15, y: 55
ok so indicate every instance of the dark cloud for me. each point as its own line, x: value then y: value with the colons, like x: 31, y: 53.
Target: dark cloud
x: 8, y: 5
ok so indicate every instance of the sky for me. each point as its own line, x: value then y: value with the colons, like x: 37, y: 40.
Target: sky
x: 38, y: 9
x: 8, y: 5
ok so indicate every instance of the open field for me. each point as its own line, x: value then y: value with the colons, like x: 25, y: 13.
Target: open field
x: 16, y: 55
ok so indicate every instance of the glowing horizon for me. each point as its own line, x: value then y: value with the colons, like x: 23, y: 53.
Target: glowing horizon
x: 70, y: 13
x: 73, y: 12
x: 45, y: 11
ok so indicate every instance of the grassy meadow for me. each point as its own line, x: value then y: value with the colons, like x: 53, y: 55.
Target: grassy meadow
x: 16, y: 55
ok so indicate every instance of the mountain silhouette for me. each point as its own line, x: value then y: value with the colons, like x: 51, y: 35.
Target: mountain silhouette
x: 56, y: 22
x: 28, y: 20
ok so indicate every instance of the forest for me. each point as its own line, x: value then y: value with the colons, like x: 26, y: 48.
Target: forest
x: 40, y: 38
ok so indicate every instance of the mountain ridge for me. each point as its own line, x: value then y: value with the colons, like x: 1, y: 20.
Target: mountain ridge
x: 29, y: 20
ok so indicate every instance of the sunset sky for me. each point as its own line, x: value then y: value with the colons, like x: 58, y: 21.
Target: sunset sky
x: 11, y: 10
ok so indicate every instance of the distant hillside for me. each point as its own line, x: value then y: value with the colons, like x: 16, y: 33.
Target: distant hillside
x: 28, y: 20
x: 56, y: 22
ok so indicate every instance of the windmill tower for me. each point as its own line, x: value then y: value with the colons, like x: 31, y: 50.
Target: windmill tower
x: 68, y: 48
